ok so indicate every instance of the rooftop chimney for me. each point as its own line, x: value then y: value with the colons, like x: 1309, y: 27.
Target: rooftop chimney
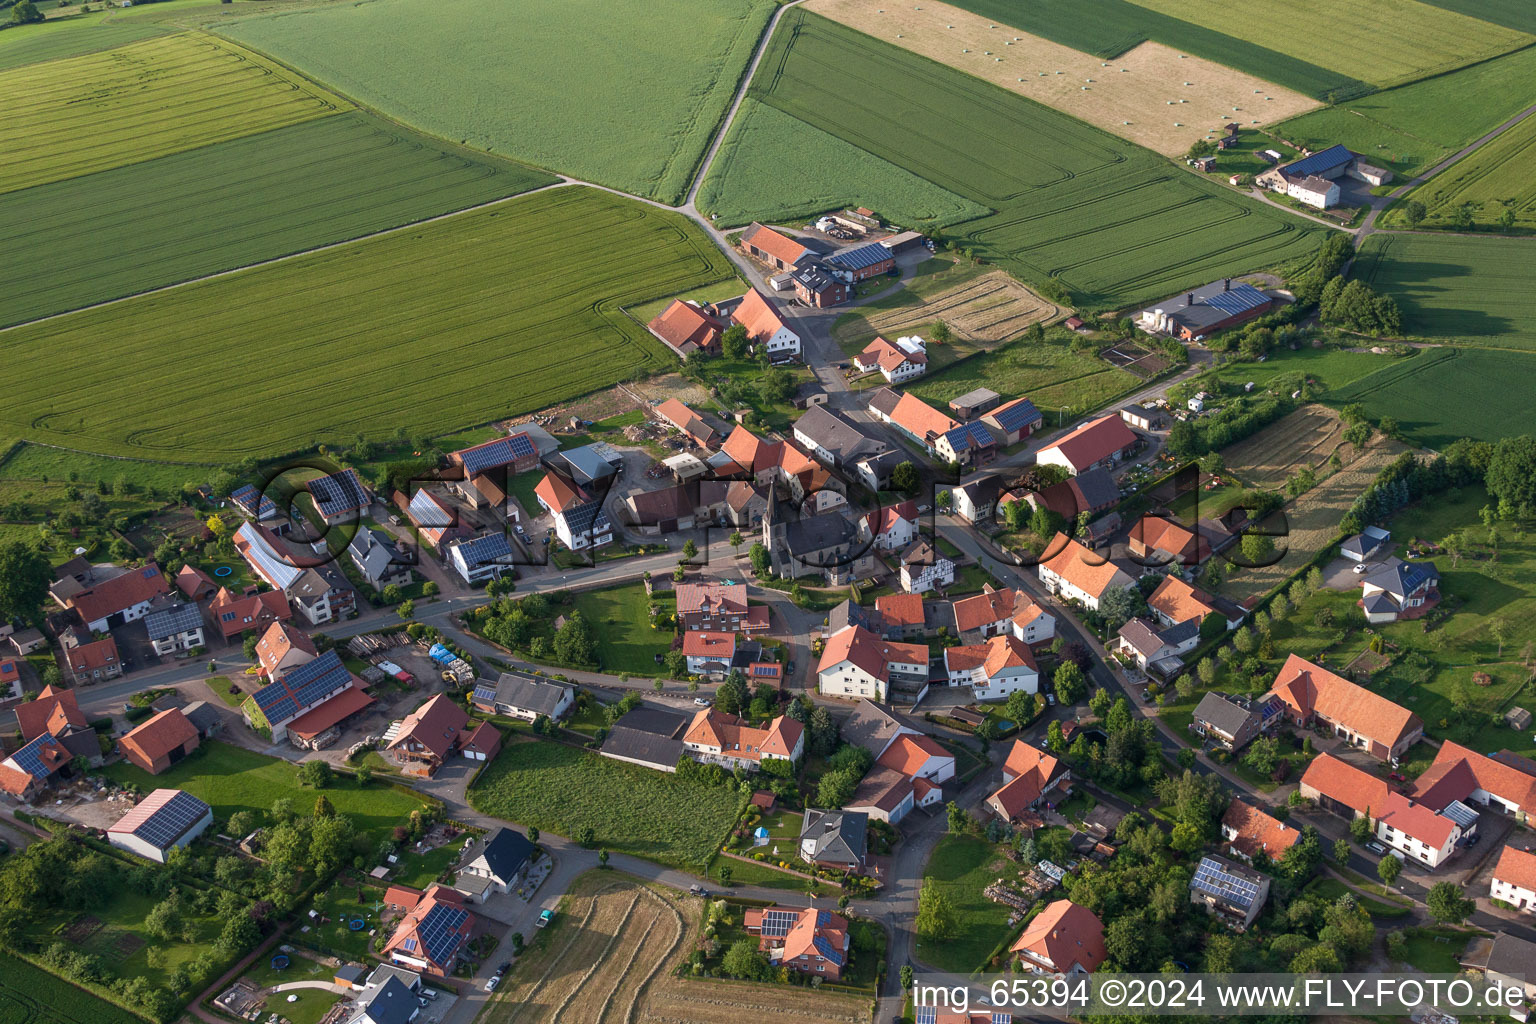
x: 1226, y: 284
x: 1189, y: 300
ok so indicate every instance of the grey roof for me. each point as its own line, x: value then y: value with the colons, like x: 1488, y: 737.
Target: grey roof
x: 810, y: 389
x: 979, y: 396
x: 352, y: 973
x: 883, y: 400
x: 640, y: 745
x: 830, y: 431
x: 178, y: 618
x: 514, y: 689
x: 1232, y: 884
x: 873, y: 726
x: 1181, y: 633
x: 1142, y: 635
x: 1511, y: 955
x: 814, y: 276
x: 586, y: 464
x: 860, y: 256
x: 818, y: 533
x: 1212, y: 304
x: 309, y: 585
x: 1097, y: 488
x: 651, y: 719
x: 849, y: 614
x: 1222, y: 714
x: 393, y: 1003
x: 837, y: 836
x: 202, y: 716
x: 884, y: 464
x: 505, y: 852
x: 542, y: 439
x: 375, y: 554
x: 1365, y: 542
x: 1404, y: 578
x: 1312, y: 183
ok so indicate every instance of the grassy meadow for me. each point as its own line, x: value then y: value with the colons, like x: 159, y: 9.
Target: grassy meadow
x: 459, y: 322
x: 1471, y: 289
x: 130, y: 229
x: 620, y: 92
x: 1111, y: 222
x: 1446, y: 393
x: 146, y: 99
x: 962, y: 866
x: 1049, y: 373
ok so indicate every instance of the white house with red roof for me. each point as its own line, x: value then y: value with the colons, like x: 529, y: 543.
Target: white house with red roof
x: 580, y: 520
x: 433, y: 934
x: 765, y: 327
x: 1101, y: 442
x: 1505, y: 782
x: 1414, y: 831
x: 1079, y: 574
x: 1365, y: 720
x: 993, y: 670
x: 714, y: 737
x: 709, y: 651
x: 898, y: 361
x: 1248, y: 831
x: 811, y: 941
x: 1030, y: 775
x: 1064, y: 938
x: 1514, y: 878
x: 892, y: 527
x: 859, y: 663
x: 106, y: 603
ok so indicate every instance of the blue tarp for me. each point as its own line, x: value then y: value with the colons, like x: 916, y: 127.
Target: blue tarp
x: 441, y: 654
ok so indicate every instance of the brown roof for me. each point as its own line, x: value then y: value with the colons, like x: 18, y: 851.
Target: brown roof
x: 883, y: 788
x: 1094, y: 441
x: 1309, y: 689
x: 775, y: 244
x: 1257, y: 831
x: 1065, y: 934
x: 435, y: 725
x: 757, y: 315
x: 1517, y: 867
x: 53, y: 710
x: 1457, y: 771
x: 278, y: 641
x: 984, y: 609
x: 1180, y: 601
x: 193, y: 582
x: 685, y: 327
x: 93, y: 656
x: 709, y: 643
x: 711, y: 597
x: 918, y: 418
x: 269, y: 604
x: 869, y: 652
x: 158, y: 736
x: 1342, y: 781
x: 1154, y: 533
x: 124, y: 591
x: 900, y: 609
x: 318, y: 719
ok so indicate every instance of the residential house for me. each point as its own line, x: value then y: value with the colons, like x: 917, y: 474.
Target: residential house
x: 734, y: 503
x: 428, y: 736
x: 308, y: 703
x: 56, y: 742
x: 811, y: 941
x: 1363, y: 719
x: 163, y: 821
x: 974, y: 501
x: 581, y: 522
x: 486, y: 467
x: 1014, y: 421
x: 677, y: 415
x: 321, y: 595
x: 389, y: 1000
x: 339, y: 497
x: 714, y: 737
x: 480, y: 743
x: 1229, y: 722
x: 820, y: 285
x: 1029, y: 776
x: 772, y: 464
x: 1403, y: 590
x: 1175, y: 602
x: 90, y: 661
x: 994, y: 669
x: 436, y: 521
x: 1504, y: 960
x: 431, y: 937
x: 834, y: 839
x: 1064, y: 938
x: 687, y: 327
x: 648, y: 736
x: 875, y: 727
x: 857, y: 663
x: 923, y: 568
x: 1101, y: 442
x: 1156, y: 649
x: 1031, y: 622
x: 720, y: 607
x: 776, y: 249
x: 1366, y: 544
x: 159, y: 742
x: 897, y: 361
x: 864, y: 261
x: 479, y: 559
x: 884, y: 794
x: 1504, y: 782
x: 106, y: 597
x: 909, y: 773
x: 1198, y: 314
x: 523, y: 696
x: 892, y: 527
x: 1157, y: 541
x: 1075, y: 573
x: 254, y: 504
x: 766, y: 328
x: 1314, y: 191
x: 991, y: 612
x: 174, y: 629
x: 1232, y: 893
x: 255, y: 610
x: 1248, y: 831
x: 912, y: 416
x: 1514, y: 878
x: 1092, y: 492
x: 709, y: 651
x: 379, y: 560
x: 503, y: 860
x: 900, y: 615
x: 1412, y: 830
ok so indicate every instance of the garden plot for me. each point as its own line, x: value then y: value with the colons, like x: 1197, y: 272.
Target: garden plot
x: 1151, y: 95
x: 1305, y: 437
x: 985, y: 311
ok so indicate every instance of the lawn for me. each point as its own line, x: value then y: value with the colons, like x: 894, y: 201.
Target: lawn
x: 576, y: 256
x: 1412, y: 127
x: 311, y: 1004
x: 228, y: 691
x: 634, y: 810
x: 231, y: 779
x: 773, y: 167
x: 1443, y: 394
x: 130, y: 229
x: 1331, y: 889
x: 642, y: 86
x: 1435, y: 950
x: 30, y: 995
x: 419, y: 870
x: 1453, y: 287
x: 962, y: 866
x: 338, y: 906
x: 1490, y: 180
x: 620, y: 620
x: 1062, y: 383
x: 140, y: 101
x: 1072, y: 205
x: 760, y: 875
x: 1327, y: 369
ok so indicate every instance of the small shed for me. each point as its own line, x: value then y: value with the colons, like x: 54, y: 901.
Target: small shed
x: 764, y: 800
x: 1518, y: 718
x: 973, y: 403
x: 686, y: 467
x: 970, y: 716
x: 1205, y: 163
x: 350, y: 976
x: 904, y: 241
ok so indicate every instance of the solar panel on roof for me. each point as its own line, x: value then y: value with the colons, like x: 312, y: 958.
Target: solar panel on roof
x: 777, y: 923
x: 1211, y: 877
x: 30, y: 757
x: 824, y: 947
x: 500, y: 452
x: 1016, y: 415
x: 301, y: 687
x: 254, y: 502
x: 493, y: 547
x: 439, y: 931
x: 927, y: 1015
x: 1239, y: 299
x: 180, y: 619
x: 1328, y: 159
x: 864, y: 256
x: 171, y: 820
x: 341, y: 490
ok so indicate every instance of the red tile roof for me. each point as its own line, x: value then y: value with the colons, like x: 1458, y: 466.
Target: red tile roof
x: 775, y: 244
x: 435, y: 725
x: 1338, y: 780
x: 869, y: 652
x: 918, y: 418
x: 1094, y: 441
x: 984, y: 609
x: 711, y: 598
x: 738, y: 738
x: 1311, y: 689
x: 888, y: 355
x: 247, y: 612
x: 14, y: 781
x: 757, y: 315
x: 1457, y: 771
x: 900, y: 609
x: 318, y: 719
x: 1258, y: 831
x: 278, y: 642
x: 1065, y: 934
x: 750, y: 452
x: 53, y: 710
x: 120, y: 592
x: 1517, y: 867
x: 887, y: 518
x: 91, y: 657
x: 1164, y: 536
x: 558, y: 493
x: 1180, y: 601
x: 683, y: 324
x: 158, y: 736
x: 709, y: 643
x: 907, y: 753
x: 1091, y: 573
x: 193, y: 582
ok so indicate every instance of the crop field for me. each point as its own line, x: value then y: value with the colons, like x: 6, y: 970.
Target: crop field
x: 776, y: 168
x: 1305, y: 437
x: 1112, y: 222
x: 1456, y: 287
x: 1413, y: 127
x: 102, y: 236
x: 1347, y: 36
x: 1516, y: 14
x: 642, y: 86
x: 632, y: 810
x: 1108, y: 28
x: 146, y: 99
x: 1148, y: 95
x: 983, y: 310
x: 447, y: 325
x: 30, y: 995
x: 1495, y: 177
x: 1447, y: 393
x: 61, y: 38
x: 1050, y: 374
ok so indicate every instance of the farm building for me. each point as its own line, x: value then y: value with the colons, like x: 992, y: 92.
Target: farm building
x: 647, y: 736
x: 1363, y: 719
x: 774, y: 248
x: 308, y: 704
x: 1097, y: 443
x: 1314, y: 191
x: 1015, y: 420
x: 1196, y: 315
x: 160, y: 742
x: 678, y: 415
x: 819, y: 285
x: 339, y: 497
x: 1365, y: 544
x: 974, y: 403
x: 904, y: 241
x: 161, y: 822
x: 1313, y: 179
x: 765, y: 327
x: 897, y: 361
x: 864, y: 261
x: 685, y: 327
x: 107, y: 596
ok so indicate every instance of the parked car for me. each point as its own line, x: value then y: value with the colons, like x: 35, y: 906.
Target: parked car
x: 1376, y: 848
x: 545, y: 916
x: 431, y: 994
x: 698, y: 890
x: 1050, y: 699
x: 702, y: 702
x: 506, y: 966
x: 1398, y: 777
x: 490, y: 986
x: 1359, y: 568
x: 1474, y: 839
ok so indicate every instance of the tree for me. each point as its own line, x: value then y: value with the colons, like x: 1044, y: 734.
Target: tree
x: 735, y: 341
x: 905, y: 479
x: 760, y: 561
x: 323, y: 808
x: 836, y: 787
x: 743, y: 960
x: 1256, y: 549
x: 1360, y: 829
x: 406, y: 608
x: 316, y: 773
x: 1388, y: 868
x: 1263, y: 755
x: 725, y: 875
x: 602, y: 858
x: 732, y: 697
x: 26, y: 13
x: 1070, y: 682
x: 1055, y: 739
x: 1100, y: 701
x: 1017, y: 514
x: 586, y: 835
x: 906, y: 977
x: 940, y: 332
x: 1020, y: 706
x: 330, y: 843
x: 364, y: 774
x: 240, y: 934
x: 959, y: 821
x: 1447, y: 904
x: 1122, y: 604
x: 935, y: 912
x: 167, y: 919
x: 823, y: 732
x: 1206, y: 670
x: 1341, y: 850
x: 1413, y: 212
x: 392, y: 594
x: 736, y: 541
x: 573, y: 643
x: 25, y: 573
x: 1511, y: 473
x: 690, y: 550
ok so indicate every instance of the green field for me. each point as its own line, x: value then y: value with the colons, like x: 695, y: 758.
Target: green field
x: 634, y: 810
x: 1495, y: 177
x: 1517, y: 14
x: 487, y: 314
x: 1413, y: 127
x: 620, y: 620
x: 771, y: 157
x: 621, y: 92
x: 1329, y: 368
x: 1448, y: 393
x: 1110, y: 27
x: 1111, y: 222
x: 230, y: 779
x: 963, y: 866
x: 146, y: 99
x: 63, y: 37
x: 30, y: 995
x: 1349, y: 36
x: 1050, y: 374
x: 645, y: 312
x: 1456, y: 287
x: 118, y: 232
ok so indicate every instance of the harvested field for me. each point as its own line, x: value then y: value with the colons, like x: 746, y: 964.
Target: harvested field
x: 986, y: 311
x: 1311, y: 522
x: 1305, y: 437
x: 147, y: 99
x: 1149, y: 95
x: 609, y: 958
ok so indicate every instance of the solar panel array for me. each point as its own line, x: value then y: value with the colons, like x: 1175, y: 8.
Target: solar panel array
x: 501, y: 452
x: 825, y: 948
x: 493, y: 547
x: 428, y: 511
x: 1240, y: 299
x: 30, y: 757
x: 254, y: 502
x: 765, y: 670
x: 338, y: 492
x: 588, y: 518
x: 927, y: 1015
x: 1016, y: 415
x: 1324, y: 161
x: 777, y: 923
x: 967, y: 435
x: 301, y: 687
x: 863, y: 256
x: 183, y: 618
x: 439, y: 931
x: 170, y: 820
x: 1214, y: 878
